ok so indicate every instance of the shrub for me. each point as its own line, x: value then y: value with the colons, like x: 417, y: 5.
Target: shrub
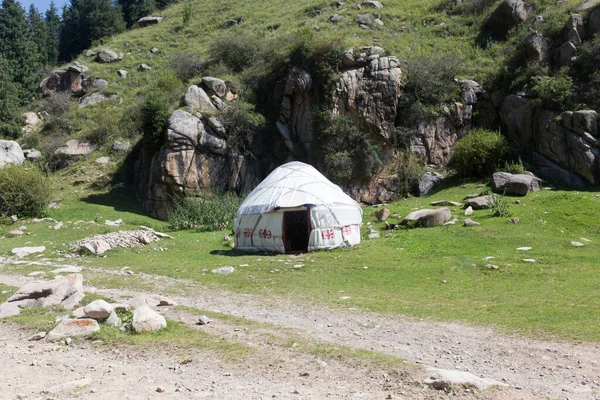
x: 554, y: 92
x: 156, y: 109
x: 585, y: 69
x: 237, y: 51
x: 348, y: 153
x: 188, y: 11
x: 431, y: 80
x: 479, y: 152
x: 211, y: 210
x: 187, y: 66
x: 499, y: 206
x: 241, y: 123
x: 23, y: 192
x: 408, y: 168
x: 512, y: 167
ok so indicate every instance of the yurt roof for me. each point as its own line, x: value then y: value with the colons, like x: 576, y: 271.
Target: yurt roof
x: 291, y: 185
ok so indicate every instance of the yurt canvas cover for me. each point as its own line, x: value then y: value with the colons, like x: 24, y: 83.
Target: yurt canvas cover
x: 296, y: 209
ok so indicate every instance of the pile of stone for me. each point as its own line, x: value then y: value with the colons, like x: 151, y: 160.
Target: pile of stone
x: 100, y: 243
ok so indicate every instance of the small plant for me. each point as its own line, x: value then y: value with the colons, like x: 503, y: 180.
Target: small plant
x: 211, y: 210
x: 499, y: 206
x: 187, y: 66
x: 479, y: 152
x: 188, y: 11
x: 23, y: 192
x: 512, y: 167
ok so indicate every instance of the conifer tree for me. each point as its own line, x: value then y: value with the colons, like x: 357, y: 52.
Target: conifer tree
x: 52, y: 34
x: 38, y: 33
x: 133, y: 10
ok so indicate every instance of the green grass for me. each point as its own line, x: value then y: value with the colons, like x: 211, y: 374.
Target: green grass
x: 434, y: 273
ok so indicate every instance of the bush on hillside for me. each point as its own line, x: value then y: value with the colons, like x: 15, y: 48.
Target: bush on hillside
x: 408, y: 168
x: 555, y: 92
x: 156, y: 109
x: 241, y: 122
x: 430, y: 80
x: 585, y: 69
x: 211, y: 210
x: 348, y: 153
x: 512, y: 167
x: 187, y: 66
x: 23, y: 192
x: 479, y: 152
x: 237, y: 51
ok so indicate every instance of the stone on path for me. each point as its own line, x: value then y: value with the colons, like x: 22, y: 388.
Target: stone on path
x: 576, y: 244
x: 96, y: 246
x: 67, y: 270
x: 203, y: 320
x: 58, y: 226
x: 25, y: 251
x: 146, y: 319
x: 223, y: 270
x: 9, y: 310
x: 523, y: 248
x: 73, y: 327
x: 37, y: 336
x: 65, y: 290
x: 529, y: 260
x: 14, y: 233
x: 151, y: 301
x: 98, y: 309
x: 70, y: 386
x: 444, y: 379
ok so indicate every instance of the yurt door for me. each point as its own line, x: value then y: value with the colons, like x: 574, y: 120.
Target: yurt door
x: 296, y: 231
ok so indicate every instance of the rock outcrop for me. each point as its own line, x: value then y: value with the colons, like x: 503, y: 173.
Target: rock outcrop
x: 507, y: 15
x: 193, y: 158
x: 570, y: 140
x: 106, y: 56
x: 74, y: 80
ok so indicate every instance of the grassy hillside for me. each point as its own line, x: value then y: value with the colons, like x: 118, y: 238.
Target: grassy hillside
x: 434, y: 29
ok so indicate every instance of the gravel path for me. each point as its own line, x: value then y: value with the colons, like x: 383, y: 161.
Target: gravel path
x: 530, y: 367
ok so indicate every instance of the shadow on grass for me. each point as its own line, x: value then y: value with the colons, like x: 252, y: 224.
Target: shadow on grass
x: 120, y: 199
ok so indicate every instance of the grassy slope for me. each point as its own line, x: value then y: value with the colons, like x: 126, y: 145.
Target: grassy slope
x: 436, y: 272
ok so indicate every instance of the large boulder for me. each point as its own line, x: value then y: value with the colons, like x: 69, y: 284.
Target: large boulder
x: 66, y: 291
x: 479, y: 203
x: 146, y: 319
x: 95, y: 98
x: 107, y: 56
x: 428, y: 182
x: 73, y: 149
x: 10, y: 153
x: 507, y: 15
x: 426, y: 217
x: 215, y: 85
x: 514, y: 184
x: 197, y: 98
x: 72, y: 328
x: 575, y: 28
x: 537, y: 47
x: 98, y: 309
x: 74, y: 80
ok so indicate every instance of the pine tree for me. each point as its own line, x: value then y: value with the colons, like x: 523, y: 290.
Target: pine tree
x: 10, y: 115
x: 38, y: 33
x: 52, y: 34
x: 85, y: 21
x: 133, y: 10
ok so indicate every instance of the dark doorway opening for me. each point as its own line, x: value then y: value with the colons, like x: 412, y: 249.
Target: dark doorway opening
x: 296, y: 231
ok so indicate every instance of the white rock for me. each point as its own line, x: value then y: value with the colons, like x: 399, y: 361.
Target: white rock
x: 66, y: 387
x: 25, y: 251
x: 103, y: 160
x: 37, y: 336
x: 65, y: 290
x: 576, y: 244
x: 469, y: 211
x: 529, y: 260
x: 113, y: 320
x: 9, y: 310
x: 444, y: 379
x: 223, y: 270
x: 151, y: 301
x: 146, y: 319
x: 73, y: 327
x: 203, y: 320
x: 67, y: 270
x: 98, y: 309
x: 78, y: 313
x: 98, y: 246
x: 523, y: 248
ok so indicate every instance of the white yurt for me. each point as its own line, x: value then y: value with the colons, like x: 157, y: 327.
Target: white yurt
x: 296, y: 209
